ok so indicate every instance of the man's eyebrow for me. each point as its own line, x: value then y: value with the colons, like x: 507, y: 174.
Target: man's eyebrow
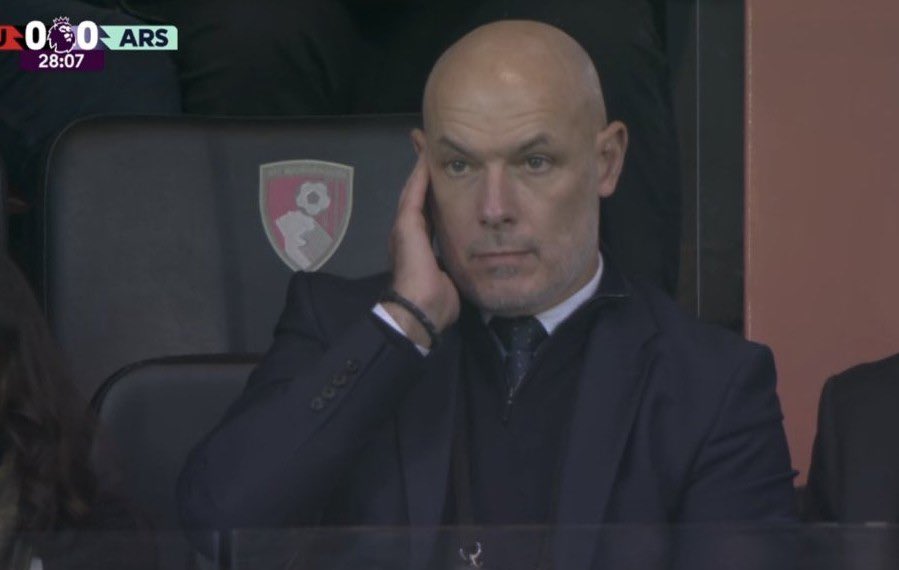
x: 535, y: 141
x: 445, y: 141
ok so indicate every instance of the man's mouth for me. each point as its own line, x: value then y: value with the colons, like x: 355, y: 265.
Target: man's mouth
x: 501, y: 255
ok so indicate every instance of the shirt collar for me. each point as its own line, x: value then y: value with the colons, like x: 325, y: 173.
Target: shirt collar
x: 553, y: 317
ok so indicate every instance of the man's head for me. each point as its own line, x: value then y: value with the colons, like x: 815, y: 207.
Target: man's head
x: 520, y: 153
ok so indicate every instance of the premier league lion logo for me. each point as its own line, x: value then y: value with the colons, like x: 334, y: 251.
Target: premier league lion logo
x: 61, y: 36
x: 305, y: 207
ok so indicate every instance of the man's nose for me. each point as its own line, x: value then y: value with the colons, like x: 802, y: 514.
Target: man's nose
x: 497, y: 203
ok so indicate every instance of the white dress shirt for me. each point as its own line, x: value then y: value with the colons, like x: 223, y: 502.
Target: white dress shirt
x: 550, y: 318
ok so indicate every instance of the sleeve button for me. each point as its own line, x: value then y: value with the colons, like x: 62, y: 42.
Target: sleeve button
x: 352, y: 366
x: 339, y: 379
x: 317, y: 404
x: 328, y: 392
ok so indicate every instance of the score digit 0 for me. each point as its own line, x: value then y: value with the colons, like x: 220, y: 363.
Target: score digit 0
x: 35, y: 27
x: 87, y: 35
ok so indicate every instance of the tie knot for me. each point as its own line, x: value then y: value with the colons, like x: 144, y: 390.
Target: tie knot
x: 518, y: 334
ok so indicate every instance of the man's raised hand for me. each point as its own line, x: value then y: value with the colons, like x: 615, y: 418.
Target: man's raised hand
x: 416, y: 275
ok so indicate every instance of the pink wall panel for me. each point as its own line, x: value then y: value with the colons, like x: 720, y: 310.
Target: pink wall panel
x: 822, y: 193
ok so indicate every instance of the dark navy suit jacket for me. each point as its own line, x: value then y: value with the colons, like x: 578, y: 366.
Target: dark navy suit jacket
x: 345, y: 423
x: 854, y: 475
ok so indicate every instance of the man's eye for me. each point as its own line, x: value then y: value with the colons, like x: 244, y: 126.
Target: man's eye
x: 537, y: 163
x: 457, y: 167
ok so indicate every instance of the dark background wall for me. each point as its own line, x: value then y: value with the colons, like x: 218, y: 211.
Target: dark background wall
x: 705, y: 50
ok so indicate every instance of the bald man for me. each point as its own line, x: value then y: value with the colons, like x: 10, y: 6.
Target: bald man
x: 516, y: 376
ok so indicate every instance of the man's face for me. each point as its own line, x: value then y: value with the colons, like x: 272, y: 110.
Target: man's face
x: 516, y: 180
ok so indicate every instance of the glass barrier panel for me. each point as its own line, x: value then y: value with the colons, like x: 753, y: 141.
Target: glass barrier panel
x: 614, y: 547
x: 110, y: 550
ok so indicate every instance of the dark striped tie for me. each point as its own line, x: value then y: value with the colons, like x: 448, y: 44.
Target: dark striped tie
x: 520, y: 337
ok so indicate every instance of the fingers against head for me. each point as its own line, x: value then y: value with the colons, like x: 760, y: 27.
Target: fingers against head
x: 412, y: 198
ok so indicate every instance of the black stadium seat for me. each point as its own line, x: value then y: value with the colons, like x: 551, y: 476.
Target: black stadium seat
x: 154, y: 244
x: 154, y: 412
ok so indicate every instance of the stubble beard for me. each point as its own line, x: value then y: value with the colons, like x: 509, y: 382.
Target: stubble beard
x: 503, y: 302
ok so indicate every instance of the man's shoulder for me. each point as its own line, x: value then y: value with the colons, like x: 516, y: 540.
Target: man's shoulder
x: 692, y: 350
x: 684, y: 330
x: 702, y: 370
x: 866, y: 385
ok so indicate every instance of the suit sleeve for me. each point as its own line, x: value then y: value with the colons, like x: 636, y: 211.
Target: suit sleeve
x: 309, y: 409
x: 742, y: 471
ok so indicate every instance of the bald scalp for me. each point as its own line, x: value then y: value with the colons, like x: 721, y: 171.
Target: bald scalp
x: 513, y: 55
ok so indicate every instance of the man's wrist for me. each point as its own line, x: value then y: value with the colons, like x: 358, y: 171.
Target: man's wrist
x: 404, y: 308
x: 396, y: 318
x: 411, y: 326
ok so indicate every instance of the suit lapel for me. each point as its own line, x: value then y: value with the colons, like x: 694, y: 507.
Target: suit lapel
x: 425, y: 427
x: 609, y: 393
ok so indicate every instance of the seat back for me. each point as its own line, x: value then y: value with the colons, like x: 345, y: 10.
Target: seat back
x: 4, y: 196
x: 153, y: 413
x: 154, y: 240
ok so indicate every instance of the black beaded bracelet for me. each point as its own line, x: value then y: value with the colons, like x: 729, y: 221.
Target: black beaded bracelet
x: 392, y: 296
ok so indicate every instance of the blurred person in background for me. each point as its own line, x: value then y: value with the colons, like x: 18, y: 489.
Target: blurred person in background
x: 49, y: 491
x: 854, y: 475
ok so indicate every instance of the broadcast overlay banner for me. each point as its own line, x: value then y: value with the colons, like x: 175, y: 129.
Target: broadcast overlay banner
x: 64, y: 46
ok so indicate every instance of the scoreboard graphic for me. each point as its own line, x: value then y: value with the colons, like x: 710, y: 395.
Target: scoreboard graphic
x: 67, y: 46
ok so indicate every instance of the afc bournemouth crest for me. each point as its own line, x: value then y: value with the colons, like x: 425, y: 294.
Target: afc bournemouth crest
x: 305, y: 207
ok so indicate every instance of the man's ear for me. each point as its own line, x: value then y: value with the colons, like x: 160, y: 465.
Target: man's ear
x: 419, y: 142
x: 611, y: 147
